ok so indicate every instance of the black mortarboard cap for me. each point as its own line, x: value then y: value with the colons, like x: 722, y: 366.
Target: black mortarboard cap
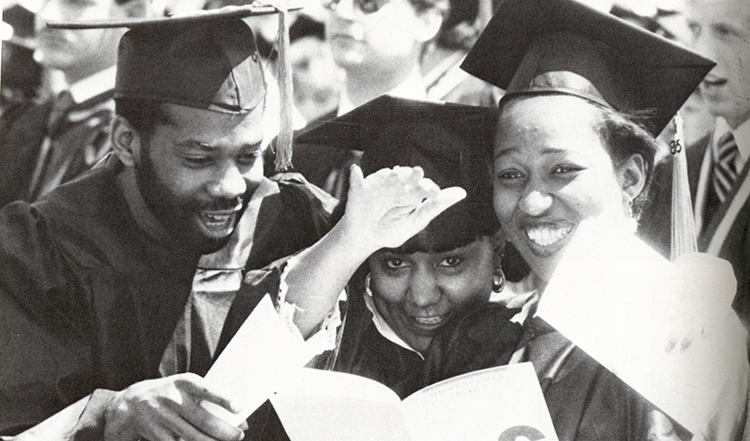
x: 566, y: 47
x: 451, y: 142
x: 207, y: 60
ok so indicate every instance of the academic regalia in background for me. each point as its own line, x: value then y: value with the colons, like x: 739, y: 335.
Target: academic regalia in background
x: 47, y: 144
x: 725, y: 229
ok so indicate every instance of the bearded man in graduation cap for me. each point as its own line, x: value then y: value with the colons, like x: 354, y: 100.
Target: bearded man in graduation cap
x: 105, y: 280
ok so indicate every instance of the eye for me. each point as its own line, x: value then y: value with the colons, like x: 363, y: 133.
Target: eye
x: 451, y: 261
x: 197, y: 161
x: 370, y: 6
x: 694, y: 28
x: 249, y: 157
x: 510, y: 174
x: 565, y: 169
x: 395, y: 263
x: 723, y: 31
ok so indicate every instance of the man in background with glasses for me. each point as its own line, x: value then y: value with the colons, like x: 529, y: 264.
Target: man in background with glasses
x: 379, y: 44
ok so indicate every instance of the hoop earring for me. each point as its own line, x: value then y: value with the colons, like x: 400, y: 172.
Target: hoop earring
x: 631, y: 223
x: 368, y: 291
x: 498, y: 280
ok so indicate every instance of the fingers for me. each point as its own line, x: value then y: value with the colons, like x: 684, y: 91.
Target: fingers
x: 197, y: 423
x: 432, y: 207
x: 356, y: 178
x: 198, y: 388
x: 197, y: 416
x: 169, y: 409
x: 399, y: 186
x: 387, y: 207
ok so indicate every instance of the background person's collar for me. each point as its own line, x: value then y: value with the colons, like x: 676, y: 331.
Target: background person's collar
x: 741, y: 137
x: 93, y: 85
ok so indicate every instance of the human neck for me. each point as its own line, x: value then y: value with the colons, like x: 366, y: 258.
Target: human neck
x: 734, y: 123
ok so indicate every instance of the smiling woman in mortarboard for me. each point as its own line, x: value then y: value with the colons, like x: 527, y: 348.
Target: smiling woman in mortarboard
x: 586, y: 93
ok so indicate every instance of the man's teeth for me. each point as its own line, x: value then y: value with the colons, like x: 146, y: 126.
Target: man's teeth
x: 216, y: 218
x: 546, y: 236
x: 434, y: 320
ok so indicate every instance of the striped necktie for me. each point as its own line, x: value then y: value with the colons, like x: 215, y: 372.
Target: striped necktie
x: 725, y: 166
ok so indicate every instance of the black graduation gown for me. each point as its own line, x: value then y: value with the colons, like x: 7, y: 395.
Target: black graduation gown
x: 88, y: 300
x: 586, y: 401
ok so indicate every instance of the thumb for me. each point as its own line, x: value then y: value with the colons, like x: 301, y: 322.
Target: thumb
x: 432, y: 207
x: 356, y: 180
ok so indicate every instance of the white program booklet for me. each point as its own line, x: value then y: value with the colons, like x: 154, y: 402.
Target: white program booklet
x: 262, y: 355
x: 497, y: 404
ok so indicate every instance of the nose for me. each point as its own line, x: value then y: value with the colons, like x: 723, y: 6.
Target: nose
x: 423, y: 288
x: 701, y: 44
x: 535, y: 203
x: 229, y: 183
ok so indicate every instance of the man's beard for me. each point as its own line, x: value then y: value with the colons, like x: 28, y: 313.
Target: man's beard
x: 176, y: 213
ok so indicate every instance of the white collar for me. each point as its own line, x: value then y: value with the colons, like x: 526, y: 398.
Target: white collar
x: 382, y: 326
x: 741, y: 137
x: 411, y: 88
x: 93, y: 85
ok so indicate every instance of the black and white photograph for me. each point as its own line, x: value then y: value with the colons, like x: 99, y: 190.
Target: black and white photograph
x: 375, y: 220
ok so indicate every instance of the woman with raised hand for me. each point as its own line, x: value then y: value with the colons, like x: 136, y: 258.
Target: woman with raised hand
x: 405, y: 279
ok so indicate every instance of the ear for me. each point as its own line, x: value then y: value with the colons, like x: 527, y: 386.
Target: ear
x: 430, y: 21
x: 125, y: 141
x: 631, y: 176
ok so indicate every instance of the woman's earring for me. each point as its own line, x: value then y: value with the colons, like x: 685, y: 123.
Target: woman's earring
x: 368, y: 291
x: 498, y: 280
x: 631, y: 223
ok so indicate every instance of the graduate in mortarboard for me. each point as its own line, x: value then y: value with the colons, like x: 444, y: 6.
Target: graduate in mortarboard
x: 585, y: 95
x: 115, y: 285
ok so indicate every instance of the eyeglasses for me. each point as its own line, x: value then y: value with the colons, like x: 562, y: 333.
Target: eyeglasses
x: 366, y: 6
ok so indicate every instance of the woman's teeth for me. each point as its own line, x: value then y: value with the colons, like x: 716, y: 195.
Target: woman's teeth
x: 216, y: 219
x: 429, y: 321
x: 547, y: 235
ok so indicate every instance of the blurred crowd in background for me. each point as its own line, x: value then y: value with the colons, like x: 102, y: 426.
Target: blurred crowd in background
x: 321, y: 67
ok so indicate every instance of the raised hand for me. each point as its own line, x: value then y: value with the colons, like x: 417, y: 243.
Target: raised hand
x: 390, y: 206
x: 168, y: 409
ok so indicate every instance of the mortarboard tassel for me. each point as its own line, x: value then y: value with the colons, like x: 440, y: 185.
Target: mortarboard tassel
x: 683, y: 224
x: 283, y: 161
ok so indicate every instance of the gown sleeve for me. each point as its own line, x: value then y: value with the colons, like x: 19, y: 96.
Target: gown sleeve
x: 44, y: 325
